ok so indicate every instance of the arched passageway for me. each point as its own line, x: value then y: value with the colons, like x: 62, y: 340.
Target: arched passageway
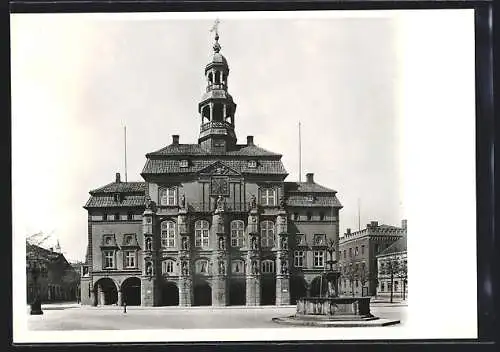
x: 319, y: 287
x: 202, y: 293
x: 298, y: 288
x: 237, y: 293
x: 106, y: 290
x: 268, y: 292
x: 131, y: 291
x: 169, y: 294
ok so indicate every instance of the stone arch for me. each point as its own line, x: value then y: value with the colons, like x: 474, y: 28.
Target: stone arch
x: 107, y: 291
x: 237, y: 292
x: 131, y: 291
x: 202, y: 293
x: 169, y: 294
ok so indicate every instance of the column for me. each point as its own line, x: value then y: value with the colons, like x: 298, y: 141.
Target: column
x: 185, y: 291
x: 282, y: 262
x: 102, y: 296
x: 93, y: 297
x: 120, y: 298
x: 252, y: 271
x: 149, y: 292
x: 219, y: 259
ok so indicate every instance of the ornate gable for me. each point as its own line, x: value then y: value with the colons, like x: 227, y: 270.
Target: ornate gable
x: 219, y: 169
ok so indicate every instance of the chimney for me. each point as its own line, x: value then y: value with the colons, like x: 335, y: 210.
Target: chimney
x: 348, y: 232
x: 374, y: 223
x: 310, y: 177
x: 404, y: 223
x: 249, y: 140
x: 118, y: 177
x: 175, y: 139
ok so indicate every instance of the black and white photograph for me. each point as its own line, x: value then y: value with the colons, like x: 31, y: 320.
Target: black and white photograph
x: 243, y: 176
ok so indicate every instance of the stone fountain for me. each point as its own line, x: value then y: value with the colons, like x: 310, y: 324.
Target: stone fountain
x: 333, y: 310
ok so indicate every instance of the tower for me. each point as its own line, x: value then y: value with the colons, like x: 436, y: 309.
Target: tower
x: 217, y: 107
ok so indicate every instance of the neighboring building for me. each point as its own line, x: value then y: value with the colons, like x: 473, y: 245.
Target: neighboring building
x: 214, y: 223
x: 358, y: 251
x: 395, y: 253
x: 58, y: 281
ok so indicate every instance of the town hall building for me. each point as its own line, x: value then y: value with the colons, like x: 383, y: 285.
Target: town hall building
x: 213, y: 223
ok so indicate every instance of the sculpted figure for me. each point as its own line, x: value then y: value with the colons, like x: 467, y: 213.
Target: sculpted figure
x: 148, y: 244
x: 149, y: 269
x: 183, y: 201
x: 221, y: 243
x: 184, y: 243
x: 220, y: 203
x: 253, y: 202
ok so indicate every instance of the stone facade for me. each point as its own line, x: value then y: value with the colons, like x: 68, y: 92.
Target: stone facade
x: 358, y: 256
x: 213, y: 223
x: 393, y: 270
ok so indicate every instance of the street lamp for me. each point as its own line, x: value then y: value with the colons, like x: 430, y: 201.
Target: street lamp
x: 35, y: 268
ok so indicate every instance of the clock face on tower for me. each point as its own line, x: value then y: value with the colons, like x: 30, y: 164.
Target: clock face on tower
x: 219, y: 186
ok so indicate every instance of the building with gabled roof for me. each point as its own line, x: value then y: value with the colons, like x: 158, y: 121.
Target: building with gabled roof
x: 397, y: 254
x: 213, y: 223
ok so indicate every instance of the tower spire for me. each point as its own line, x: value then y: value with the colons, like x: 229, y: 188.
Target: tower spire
x: 215, y: 28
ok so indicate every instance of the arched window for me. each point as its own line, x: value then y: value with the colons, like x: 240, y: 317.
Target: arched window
x: 267, y: 233
x: 167, y: 266
x: 168, y: 196
x: 201, y: 234
x: 267, y: 266
x: 168, y: 234
x: 202, y: 267
x: 237, y: 233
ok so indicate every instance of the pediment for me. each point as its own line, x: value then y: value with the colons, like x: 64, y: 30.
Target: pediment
x: 219, y: 169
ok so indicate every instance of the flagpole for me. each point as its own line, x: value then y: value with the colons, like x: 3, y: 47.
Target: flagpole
x: 300, y: 156
x: 125, y: 132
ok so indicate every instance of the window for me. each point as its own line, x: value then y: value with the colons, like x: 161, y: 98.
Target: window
x: 168, y: 196
x: 130, y: 259
x: 267, y: 266
x: 382, y: 286
x: 167, y: 266
x: 168, y: 234
x: 252, y: 164
x: 96, y: 217
x: 237, y: 233
x: 350, y: 252
x: 110, y: 217
x: 345, y: 253
x: 356, y: 251
x: 183, y: 163
x: 124, y: 217
x: 267, y: 196
x: 201, y: 234
x: 202, y: 267
x: 298, y: 259
x: 309, y: 216
x: 396, y: 286
x: 109, y: 259
x: 267, y: 233
x: 319, y: 239
x: 136, y: 217
x: 363, y: 249
x: 319, y: 259
x: 321, y: 216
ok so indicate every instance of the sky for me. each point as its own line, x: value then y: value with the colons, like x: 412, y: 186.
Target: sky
x: 385, y: 100
x: 77, y: 80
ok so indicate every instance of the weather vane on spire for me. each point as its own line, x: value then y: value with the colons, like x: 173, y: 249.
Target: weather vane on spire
x: 215, y: 28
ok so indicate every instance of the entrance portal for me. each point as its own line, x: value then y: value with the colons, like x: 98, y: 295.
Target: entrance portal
x: 268, y: 292
x: 169, y: 294
x: 237, y: 293
x: 106, y: 291
x: 202, y: 294
x: 131, y: 291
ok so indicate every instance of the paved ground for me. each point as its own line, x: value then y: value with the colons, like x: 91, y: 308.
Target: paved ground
x: 75, y: 317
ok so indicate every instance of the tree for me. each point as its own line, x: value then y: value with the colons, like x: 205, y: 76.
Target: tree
x: 391, y: 268
x: 364, y: 275
x: 403, y: 275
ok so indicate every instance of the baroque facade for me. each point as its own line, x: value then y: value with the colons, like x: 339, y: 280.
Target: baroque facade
x: 213, y: 223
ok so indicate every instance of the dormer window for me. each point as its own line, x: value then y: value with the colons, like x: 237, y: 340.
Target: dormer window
x: 252, y: 164
x: 183, y: 163
x: 319, y: 240
x: 267, y: 196
x: 117, y: 197
x: 168, y: 196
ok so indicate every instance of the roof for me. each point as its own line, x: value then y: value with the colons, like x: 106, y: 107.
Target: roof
x: 217, y: 58
x: 302, y: 200
x: 185, y: 150
x: 105, y: 201
x: 396, y: 247
x: 34, y: 251
x: 122, y: 187
x: 307, y: 187
x: 171, y: 166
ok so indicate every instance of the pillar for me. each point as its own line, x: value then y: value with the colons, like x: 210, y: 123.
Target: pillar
x: 120, y: 298
x: 282, y: 261
x: 185, y: 292
x: 102, y: 296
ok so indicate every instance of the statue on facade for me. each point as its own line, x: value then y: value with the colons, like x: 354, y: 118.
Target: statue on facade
x: 282, y: 202
x: 148, y: 244
x: 184, y: 268
x: 149, y: 269
x: 221, y: 243
x: 222, y: 267
x: 254, y: 243
x: 184, y: 243
x: 253, y: 202
x: 220, y: 203
x: 284, y: 242
x: 284, y: 267
x: 254, y: 267
x: 183, y: 202
x: 150, y: 205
